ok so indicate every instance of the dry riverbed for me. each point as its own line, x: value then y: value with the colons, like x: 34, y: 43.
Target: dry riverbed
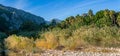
x: 84, y: 52
x: 77, y: 53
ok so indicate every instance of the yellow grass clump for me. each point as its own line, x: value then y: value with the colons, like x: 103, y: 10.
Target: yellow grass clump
x: 49, y: 42
x: 18, y: 43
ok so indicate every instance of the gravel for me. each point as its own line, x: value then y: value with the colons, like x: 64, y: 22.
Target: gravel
x: 77, y: 53
x: 89, y: 52
x: 92, y: 52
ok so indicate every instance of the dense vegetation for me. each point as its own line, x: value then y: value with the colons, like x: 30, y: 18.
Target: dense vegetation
x: 89, y: 29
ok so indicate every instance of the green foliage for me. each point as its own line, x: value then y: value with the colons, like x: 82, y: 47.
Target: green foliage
x: 90, y: 13
x: 99, y: 14
x: 29, y: 34
x: 118, y: 18
x: 4, y: 25
x: 2, y: 35
x: 101, y: 19
x: 29, y: 26
x: 102, y: 22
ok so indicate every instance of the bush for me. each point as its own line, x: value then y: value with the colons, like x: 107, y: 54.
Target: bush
x: 30, y: 34
x: 29, y: 26
x: 49, y: 41
x: 4, y: 25
x: 18, y: 43
x: 104, y: 37
x: 54, y: 39
x: 2, y: 35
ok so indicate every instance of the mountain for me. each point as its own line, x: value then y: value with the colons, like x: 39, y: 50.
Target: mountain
x: 56, y: 20
x: 15, y: 17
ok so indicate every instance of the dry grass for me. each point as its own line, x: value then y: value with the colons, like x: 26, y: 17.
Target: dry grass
x: 68, y: 39
x: 18, y: 43
x: 82, y: 37
x: 49, y: 42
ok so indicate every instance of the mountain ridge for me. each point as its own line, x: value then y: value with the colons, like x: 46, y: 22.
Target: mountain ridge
x: 16, y: 17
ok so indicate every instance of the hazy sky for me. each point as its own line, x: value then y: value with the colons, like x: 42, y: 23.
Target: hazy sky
x: 61, y: 9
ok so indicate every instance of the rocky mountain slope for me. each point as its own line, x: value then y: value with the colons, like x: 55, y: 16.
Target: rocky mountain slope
x: 15, y: 17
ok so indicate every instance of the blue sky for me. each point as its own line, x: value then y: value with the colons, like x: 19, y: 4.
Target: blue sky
x: 61, y: 9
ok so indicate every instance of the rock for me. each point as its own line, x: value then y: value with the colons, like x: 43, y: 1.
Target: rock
x: 60, y: 47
